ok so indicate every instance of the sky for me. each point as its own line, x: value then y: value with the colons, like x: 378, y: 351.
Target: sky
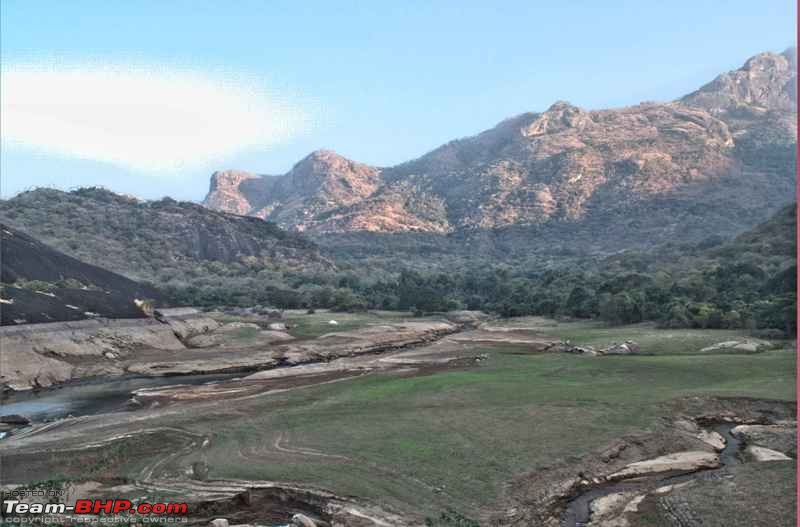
x: 150, y: 97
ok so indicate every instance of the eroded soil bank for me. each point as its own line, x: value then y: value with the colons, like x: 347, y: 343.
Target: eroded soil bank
x: 279, y: 439
x: 703, y: 439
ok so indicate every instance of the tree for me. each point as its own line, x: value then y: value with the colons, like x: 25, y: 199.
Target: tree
x: 579, y: 303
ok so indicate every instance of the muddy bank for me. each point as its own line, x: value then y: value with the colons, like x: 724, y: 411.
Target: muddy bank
x: 42, y: 355
x: 90, y: 397
x: 624, y: 489
x: 542, y: 496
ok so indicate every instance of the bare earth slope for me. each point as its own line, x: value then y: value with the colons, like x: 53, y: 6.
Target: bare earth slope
x: 717, y: 161
x: 40, y: 284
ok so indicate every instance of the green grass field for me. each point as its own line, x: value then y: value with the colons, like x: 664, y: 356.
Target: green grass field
x: 309, y: 326
x: 651, y: 339
x: 452, y: 439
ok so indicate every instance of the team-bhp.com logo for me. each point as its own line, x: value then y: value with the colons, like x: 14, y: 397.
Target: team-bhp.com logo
x: 14, y: 511
x: 94, y: 507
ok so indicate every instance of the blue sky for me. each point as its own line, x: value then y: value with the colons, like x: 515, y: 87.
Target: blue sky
x: 149, y: 98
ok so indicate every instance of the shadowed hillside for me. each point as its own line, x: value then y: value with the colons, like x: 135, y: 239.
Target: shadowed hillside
x: 40, y: 284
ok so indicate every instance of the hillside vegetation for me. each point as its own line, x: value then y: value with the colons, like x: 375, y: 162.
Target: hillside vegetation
x: 201, y: 257
x: 189, y: 251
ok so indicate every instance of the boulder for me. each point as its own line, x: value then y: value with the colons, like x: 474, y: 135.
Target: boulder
x: 759, y: 453
x: 628, y: 347
x: 301, y: 520
x: 779, y: 437
x: 737, y: 346
x: 682, y: 461
x: 277, y: 326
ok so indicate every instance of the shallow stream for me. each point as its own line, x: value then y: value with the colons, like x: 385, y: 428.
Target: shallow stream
x: 90, y: 397
x: 579, y: 508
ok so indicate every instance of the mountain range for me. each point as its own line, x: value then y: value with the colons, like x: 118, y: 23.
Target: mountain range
x: 716, y: 161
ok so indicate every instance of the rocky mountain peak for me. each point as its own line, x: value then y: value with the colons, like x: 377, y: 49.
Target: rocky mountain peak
x: 765, y: 82
x: 224, y: 192
x: 559, y: 117
x: 567, y: 166
x: 228, y: 178
x: 326, y: 171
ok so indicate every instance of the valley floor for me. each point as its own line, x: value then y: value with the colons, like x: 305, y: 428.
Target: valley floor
x: 482, y: 422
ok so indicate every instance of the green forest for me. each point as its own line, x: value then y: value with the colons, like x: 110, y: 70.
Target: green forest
x: 748, y: 282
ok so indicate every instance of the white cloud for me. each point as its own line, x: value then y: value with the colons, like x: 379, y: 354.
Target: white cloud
x: 144, y: 118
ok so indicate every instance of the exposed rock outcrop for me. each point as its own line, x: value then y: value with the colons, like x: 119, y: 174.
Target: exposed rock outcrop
x: 316, y: 186
x: 760, y: 453
x: 658, y: 166
x: 737, y: 346
x: 38, y: 355
x: 780, y: 437
x: 682, y: 461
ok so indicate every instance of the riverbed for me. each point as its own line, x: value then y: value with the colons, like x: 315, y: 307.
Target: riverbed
x: 579, y: 508
x: 91, y: 397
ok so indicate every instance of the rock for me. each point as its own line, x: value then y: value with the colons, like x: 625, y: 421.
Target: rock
x: 583, y: 350
x: 712, y: 438
x: 560, y: 160
x: 682, y: 461
x: 188, y: 327
x: 14, y: 419
x: 709, y: 437
x: 301, y: 520
x: 277, y: 326
x: 606, y: 505
x: 253, y: 355
x: 737, y: 346
x: 218, y: 522
x: 758, y: 453
x: 50, y: 353
x: 779, y: 437
x: 629, y: 347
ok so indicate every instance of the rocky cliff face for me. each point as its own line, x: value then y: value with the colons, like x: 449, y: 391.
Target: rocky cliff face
x: 320, y: 183
x: 728, y: 146
x: 766, y: 82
